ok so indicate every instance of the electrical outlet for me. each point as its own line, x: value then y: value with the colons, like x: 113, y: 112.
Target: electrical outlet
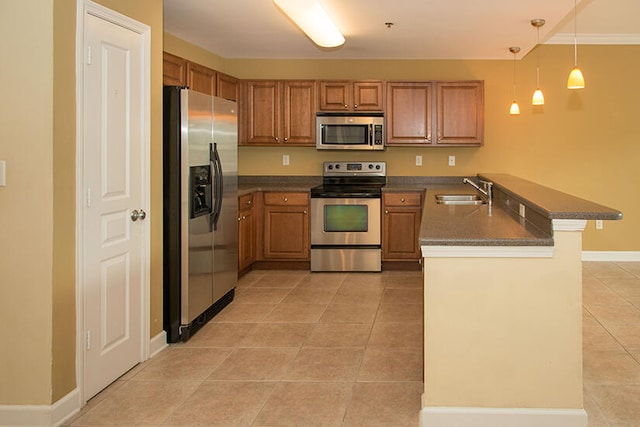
x: 599, y: 224
x: 3, y: 173
x: 285, y: 160
x: 522, y: 210
x: 418, y: 160
x: 452, y: 160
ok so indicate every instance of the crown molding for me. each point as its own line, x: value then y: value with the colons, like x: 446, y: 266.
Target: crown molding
x: 605, y: 39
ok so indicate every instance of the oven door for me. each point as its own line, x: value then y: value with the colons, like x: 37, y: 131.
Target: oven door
x: 345, y: 221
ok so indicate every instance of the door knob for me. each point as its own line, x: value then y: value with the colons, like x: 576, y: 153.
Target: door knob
x: 138, y: 215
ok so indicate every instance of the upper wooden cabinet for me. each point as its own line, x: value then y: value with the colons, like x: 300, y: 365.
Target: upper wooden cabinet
x: 227, y: 87
x: 435, y: 113
x: 460, y: 113
x: 279, y: 112
x: 174, y: 70
x: 409, y: 113
x: 342, y: 95
x: 201, y: 79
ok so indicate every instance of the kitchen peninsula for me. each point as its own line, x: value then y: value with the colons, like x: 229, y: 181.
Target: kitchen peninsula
x: 503, y: 306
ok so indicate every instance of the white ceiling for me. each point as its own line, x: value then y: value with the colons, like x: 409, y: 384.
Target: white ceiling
x: 423, y: 29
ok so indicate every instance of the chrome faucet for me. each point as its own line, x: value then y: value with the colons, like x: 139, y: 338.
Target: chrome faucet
x: 488, y: 188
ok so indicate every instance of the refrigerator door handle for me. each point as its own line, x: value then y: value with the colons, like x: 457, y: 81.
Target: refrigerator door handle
x: 217, y: 185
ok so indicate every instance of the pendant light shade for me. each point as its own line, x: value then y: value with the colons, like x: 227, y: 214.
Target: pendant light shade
x: 538, y: 97
x: 515, y: 108
x: 576, y: 79
x: 313, y: 20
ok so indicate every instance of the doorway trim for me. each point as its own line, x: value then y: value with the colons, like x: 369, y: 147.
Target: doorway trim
x: 84, y: 8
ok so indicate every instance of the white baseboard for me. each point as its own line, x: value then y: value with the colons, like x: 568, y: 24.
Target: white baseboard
x: 502, y: 417
x: 157, y: 344
x: 610, y: 256
x: 41, y: 415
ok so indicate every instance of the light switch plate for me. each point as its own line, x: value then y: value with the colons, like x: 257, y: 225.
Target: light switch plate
x: 452, y: 160
x: 3, y: 173
x: 418, y: 160
x: 285, y: 159
x: 522, y: 210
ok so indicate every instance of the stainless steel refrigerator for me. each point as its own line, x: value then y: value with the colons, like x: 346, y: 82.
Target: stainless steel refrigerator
x: 200, y: 153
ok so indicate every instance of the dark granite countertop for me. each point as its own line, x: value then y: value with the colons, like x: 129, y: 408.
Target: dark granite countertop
x: 552, y: 204
x: 499, y: 224
x: 481, y: 225
x: 460, y: 225
x: 249, y: 184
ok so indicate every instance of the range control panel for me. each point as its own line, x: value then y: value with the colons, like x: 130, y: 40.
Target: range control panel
x: 354, y: 169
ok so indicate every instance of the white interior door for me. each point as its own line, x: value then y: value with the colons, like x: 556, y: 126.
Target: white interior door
x: 114, y: 175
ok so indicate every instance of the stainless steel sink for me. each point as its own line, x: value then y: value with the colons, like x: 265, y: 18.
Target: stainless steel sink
x: 459, y: 199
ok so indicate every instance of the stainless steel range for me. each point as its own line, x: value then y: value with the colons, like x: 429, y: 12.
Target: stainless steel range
x: 345, y: 217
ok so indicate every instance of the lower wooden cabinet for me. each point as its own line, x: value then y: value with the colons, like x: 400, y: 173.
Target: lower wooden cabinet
x: 286, y: 226
x: 246, y: 232
x: 401, y: 215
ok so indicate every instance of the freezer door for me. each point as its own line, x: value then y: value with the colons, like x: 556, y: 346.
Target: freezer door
x: 225, y: 234
x: 197, y: 185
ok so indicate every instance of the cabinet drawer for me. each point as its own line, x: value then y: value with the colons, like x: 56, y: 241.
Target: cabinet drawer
x: 286, y: 199
x: 403, y: 199
x: 245, y: 202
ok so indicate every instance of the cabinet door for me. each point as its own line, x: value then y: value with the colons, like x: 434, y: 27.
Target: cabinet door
x: 409, y: 113
x: 174, y: 70
x: 262, y: 112
x: 460, y: 113
x: 335, y: 95
x: 286, y: 226
x: 299, y: 112
x: 401, y: 226
x: 246, y: 239
x: 367, y: 96
x: 246, y: 232
x: 227, y: 87
x: 201, y: 79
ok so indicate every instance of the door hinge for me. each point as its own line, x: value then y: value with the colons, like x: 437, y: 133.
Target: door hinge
x: 88, y: 340
x: 89, y: 55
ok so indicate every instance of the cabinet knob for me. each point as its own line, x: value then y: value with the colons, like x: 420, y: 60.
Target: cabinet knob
x: 355, y: 106
x: 244, y: 217
x: 286, y: 139
x: 249, y: 202
x: 239, y: 219
x: 276, y: 138
x: 285, y: 199
x: 304, y: 211
x: 386, y: 211
x: 346, y: 106
x: 402, y: 200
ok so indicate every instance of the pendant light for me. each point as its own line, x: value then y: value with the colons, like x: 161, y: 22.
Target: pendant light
x: 515, y: 108
x: 575, y: 80
x: 538, y: 97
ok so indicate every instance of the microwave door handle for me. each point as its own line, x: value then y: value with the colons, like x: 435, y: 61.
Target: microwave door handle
x: 370, y: 135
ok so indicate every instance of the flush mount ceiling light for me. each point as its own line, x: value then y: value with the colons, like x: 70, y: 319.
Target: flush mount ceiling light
x: 576, y: 79
x: 313, y: 20
x: 538, y: 97
x: 515, y: 108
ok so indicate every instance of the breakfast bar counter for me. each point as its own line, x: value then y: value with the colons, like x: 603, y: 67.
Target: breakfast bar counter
x: 503, y: 306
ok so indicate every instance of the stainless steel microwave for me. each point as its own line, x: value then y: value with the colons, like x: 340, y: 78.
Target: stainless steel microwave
x: 350, y: 131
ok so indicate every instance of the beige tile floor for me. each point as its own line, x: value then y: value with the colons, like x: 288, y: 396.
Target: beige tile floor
x: 345, y: 349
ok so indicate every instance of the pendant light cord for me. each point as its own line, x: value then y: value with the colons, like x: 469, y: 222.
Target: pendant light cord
x: 575, y: 33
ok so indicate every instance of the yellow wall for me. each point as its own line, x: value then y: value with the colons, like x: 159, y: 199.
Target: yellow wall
x: 26, y: 218
x: 582, y: 142
x: 37, y: 207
